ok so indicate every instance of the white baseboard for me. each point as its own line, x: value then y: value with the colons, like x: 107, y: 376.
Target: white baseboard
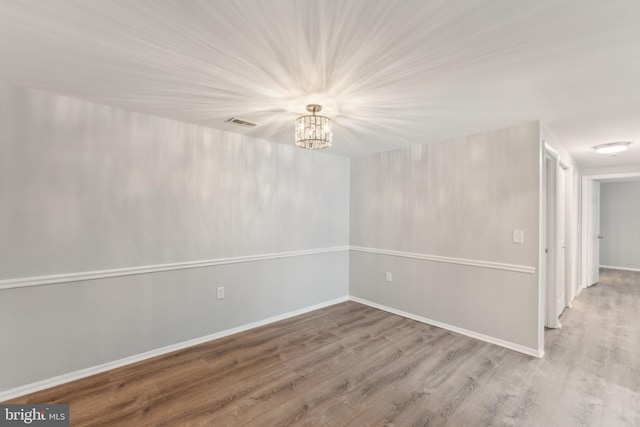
x: 83, y: 373
x: 539, y: 353
x: 614, y: 267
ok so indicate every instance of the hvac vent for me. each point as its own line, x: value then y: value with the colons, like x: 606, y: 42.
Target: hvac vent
x: 242, y: 122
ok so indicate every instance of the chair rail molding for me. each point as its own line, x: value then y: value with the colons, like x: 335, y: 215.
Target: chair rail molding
x: 99, y: 274
x: 461, y: 261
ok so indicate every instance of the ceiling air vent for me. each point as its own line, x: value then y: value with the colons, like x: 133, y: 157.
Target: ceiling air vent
x: 242, y: 122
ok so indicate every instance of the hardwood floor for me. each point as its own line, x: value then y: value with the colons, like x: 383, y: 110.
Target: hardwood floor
x: 354, y: 365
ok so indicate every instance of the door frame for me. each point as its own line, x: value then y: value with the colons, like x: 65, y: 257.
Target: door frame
x: 552, y: 165
x: 585, y: 241
x: 549, y: 250
x: 588, y: 227
x: 568, y: 235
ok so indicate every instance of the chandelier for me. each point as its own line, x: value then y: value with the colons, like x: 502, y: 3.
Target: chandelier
x: 313, y: 132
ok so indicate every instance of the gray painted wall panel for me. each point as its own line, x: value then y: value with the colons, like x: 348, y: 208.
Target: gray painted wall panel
x: 87, y: 187
x: 57, y: 329
x: 460, y: 198
x: 492, y: 302
x: 620, y: 224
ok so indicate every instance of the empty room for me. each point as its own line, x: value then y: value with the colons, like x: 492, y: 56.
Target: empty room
x: 338, y: 213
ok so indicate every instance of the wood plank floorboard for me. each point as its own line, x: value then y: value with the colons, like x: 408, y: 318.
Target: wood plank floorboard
x: 350, y: 364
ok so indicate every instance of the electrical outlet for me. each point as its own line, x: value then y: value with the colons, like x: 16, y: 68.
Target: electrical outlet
x: 220, y: 292
x: 388, y: 277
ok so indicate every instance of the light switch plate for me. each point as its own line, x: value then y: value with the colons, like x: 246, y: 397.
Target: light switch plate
x: 518, y: 236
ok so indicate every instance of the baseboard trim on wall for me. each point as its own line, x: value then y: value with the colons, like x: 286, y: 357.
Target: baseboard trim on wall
x: 83, y: 373
x: 538, y: 353
x: 461, y: 261
x: 614, y: 267
x: 100, y: 274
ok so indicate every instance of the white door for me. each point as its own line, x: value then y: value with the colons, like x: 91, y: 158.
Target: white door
x: 594, y: 267
x: 560, y: 243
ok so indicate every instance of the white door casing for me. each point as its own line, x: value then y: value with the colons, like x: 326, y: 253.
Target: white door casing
x: 590, y: 224
x: 594, y: 270
x: 551, y: 245
x: 560, y: 241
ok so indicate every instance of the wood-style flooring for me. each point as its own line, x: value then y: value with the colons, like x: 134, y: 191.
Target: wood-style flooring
x: 350, y: 364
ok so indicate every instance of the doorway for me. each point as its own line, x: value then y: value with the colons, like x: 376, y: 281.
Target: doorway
x: 591, y: 236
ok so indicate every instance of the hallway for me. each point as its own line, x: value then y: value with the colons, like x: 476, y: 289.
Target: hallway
x: 595, y: 353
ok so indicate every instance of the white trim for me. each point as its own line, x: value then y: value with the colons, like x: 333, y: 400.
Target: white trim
x: 449, y: 260
x: 100, y: 274
x: 548, y: 250
x: 602, y: 177
x: 83, y: 373
x: 612, y: 176
x: 550, y: 150
x: 542, y: 238
x: 491, y: 340
x: 584, y: 234
x: 615, y: 267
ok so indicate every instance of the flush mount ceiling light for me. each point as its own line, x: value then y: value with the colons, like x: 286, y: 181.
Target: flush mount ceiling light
x: 612, y: 147
x: 313, y: 132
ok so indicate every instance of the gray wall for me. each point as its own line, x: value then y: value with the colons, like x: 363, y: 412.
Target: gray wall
x: 620, y: 224
x: 462, y: 199
x: 86, y: 187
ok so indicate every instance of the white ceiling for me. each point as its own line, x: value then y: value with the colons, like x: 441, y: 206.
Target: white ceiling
x: 389, y: 73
